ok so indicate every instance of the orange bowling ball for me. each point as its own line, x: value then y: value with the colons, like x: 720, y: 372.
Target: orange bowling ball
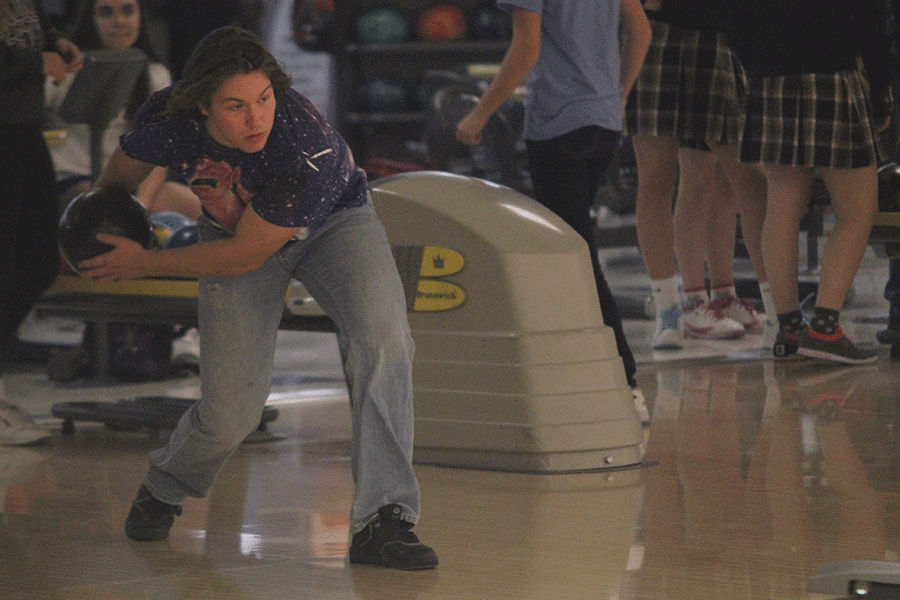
x: 441, y: 23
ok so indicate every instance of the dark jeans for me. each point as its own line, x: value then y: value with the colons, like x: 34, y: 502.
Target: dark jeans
x: 892, y: 292
x: 565, y: 174
x: 28, y: 222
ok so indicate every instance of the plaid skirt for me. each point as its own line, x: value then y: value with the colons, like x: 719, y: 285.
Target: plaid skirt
x: 809, y: 120
x: 691, y: 87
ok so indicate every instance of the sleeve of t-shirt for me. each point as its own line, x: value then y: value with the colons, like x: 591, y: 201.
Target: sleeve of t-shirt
x: 158, y: 139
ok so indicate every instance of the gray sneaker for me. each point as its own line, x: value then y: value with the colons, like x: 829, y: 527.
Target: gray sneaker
x: 836, y: 347
x: 17, y: 428
x: 667, y: 335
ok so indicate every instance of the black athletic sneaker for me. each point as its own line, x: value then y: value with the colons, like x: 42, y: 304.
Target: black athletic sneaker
x: 150, y: 519
x: 388, y: 542
x: 836, y: 347
x: 891, y: 335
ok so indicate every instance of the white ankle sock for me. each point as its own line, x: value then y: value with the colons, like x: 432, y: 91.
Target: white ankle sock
x: 768, y: 302
x: 665, y: 292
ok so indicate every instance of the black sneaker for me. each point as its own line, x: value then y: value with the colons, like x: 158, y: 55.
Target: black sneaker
x: 836, y: 347
x: 786, y: 344
x: 388, y: 542
x: 150, y: 519
x: 888, y: 336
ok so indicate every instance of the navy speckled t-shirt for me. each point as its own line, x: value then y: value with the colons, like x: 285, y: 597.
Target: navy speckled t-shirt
x: 304, y: 174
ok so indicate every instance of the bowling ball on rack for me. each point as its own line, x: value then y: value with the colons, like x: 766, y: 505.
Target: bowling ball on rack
x: 101, y: 210
x: 313, y: 25
x: 383, y: 25
x: 889, y: 187
x: 186, y: 236
x: 384, y: 95
x: 441, y: 23
x: 167, y: 223
x: 489, y: 22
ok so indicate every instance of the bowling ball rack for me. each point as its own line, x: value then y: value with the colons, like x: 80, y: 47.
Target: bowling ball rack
x: 152, y: 413
x: 167, y: 301
x: 154, y: 301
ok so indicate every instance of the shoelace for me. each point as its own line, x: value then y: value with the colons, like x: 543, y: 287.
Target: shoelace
x: 406, y: 535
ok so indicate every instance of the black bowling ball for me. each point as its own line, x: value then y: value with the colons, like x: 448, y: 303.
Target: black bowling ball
x: 489, y: 22
x: 889, y: 187
x: 101, y: 210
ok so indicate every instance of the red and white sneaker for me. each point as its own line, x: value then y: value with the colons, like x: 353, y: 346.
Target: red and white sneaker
x: 741, y: 310
x: 703, y: 320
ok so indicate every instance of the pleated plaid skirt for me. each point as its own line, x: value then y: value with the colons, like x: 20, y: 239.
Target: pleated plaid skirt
x: 809, y: 120
x: 691, y: 87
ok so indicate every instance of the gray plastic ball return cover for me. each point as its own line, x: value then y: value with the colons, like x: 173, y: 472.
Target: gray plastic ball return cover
x: 514, y: 368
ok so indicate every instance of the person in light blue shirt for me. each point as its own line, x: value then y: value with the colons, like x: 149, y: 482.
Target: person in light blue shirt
x: 577, y: 75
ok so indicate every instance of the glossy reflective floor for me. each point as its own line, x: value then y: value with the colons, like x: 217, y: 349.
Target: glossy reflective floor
x: 755, y: 475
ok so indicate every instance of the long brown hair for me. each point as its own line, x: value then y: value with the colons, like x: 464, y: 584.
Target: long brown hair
x: 86, y: 37
x: 223, y: 53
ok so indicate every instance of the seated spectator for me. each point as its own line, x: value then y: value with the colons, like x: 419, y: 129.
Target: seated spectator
x: 113, y: 24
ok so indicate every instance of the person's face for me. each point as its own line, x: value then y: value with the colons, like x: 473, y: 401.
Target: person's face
x: 118, y: 23
x: 242, y: 111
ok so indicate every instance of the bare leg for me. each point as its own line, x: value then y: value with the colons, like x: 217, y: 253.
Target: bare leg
x: 704, y: 235
x: 854, y: 198
x: 749, y: 186
x: 177, y: 198
x: 657, y: 163
x: 789, y: 191
x: 697, y: 195
x: 721, y: 233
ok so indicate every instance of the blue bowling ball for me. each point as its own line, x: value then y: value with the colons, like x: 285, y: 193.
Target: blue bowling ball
x: 384, y: 94
x: 383, y: 25
x: 166, y: 223
x: 171, y: 220
x: 186, y: 236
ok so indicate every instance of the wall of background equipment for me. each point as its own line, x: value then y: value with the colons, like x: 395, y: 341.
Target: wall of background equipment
x: 384, y: 48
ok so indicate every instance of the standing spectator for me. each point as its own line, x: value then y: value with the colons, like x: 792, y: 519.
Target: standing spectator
x: 808, y: 112
x: 569, y: 56
x: 29, y: 215
x: 683, y: 115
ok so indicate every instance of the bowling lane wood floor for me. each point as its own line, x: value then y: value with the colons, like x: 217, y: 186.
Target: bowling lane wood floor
x: 755, y: 475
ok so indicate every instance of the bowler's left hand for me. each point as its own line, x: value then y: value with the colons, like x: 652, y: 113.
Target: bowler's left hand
x: 119, y: 264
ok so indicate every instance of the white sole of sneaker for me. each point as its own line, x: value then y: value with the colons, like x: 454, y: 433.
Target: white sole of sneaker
x: 702, y: 335
x: 669, y: 339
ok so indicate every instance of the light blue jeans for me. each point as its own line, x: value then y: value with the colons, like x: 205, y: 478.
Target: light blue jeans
x: 348, y: 268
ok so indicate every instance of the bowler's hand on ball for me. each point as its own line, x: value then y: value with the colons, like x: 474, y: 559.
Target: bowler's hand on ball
x: 119, y: 264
